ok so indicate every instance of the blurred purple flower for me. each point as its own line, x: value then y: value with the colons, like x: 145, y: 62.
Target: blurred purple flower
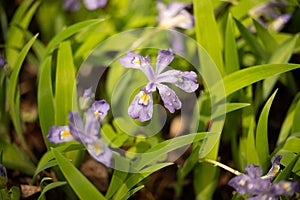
x: 86, y: 133
x: 271, y: 14
x: 2, y: 61
x: 142, y: 105
x: 74, y: 5
x: 175, y: 14
x: 259, y: 187
x: 87, y: 99
x: 3, y: 177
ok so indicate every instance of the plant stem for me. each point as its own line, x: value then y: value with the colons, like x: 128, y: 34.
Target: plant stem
x: 216, y: 163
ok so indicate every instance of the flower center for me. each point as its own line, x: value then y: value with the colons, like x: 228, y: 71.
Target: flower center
x: 144, y: 99
x: 287, y: 187
x: 180, y: 80
x: 97, y: 148
x: 97, y: 114
x: 64, y: 134
x: 136, y: 61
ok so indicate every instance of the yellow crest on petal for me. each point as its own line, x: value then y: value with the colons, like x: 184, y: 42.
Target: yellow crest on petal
x: 97, y: 148
x: 136, y: 61
x: 97, y: 114
x: 144, y: 99
x: 64, y: 134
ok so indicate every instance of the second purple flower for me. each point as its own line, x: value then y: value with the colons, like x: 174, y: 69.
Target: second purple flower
x: 142, y: 105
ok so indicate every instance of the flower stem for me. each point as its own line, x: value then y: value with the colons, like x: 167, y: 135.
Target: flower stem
x: 216, y: 163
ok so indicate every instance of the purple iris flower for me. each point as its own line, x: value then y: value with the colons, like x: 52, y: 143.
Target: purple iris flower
x: 271, y: 14
x: 175, y: 14
x: 86, y: 133
x: 259, y: 187
x: 142, y: 105
x: 74, y: 5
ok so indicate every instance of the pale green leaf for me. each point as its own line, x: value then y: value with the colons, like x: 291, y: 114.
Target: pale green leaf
x: 13, y: 92
x: 261, y: 140
x: 45, y: 98
x: 64, y: 83
x: 207, y: 32
x: 230, y: 48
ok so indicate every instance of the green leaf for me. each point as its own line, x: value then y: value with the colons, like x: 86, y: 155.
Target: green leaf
x: 230, y: 48
x: 251, y: 153
x: 79, y: 183
x: 64, y: 83
x: 251, y: 41
x: 292, y: 144
x: 268, y: 41
x: 133, y: 191
x: 296, y: 124
x: 287, y: 158
x: 133, y: 179
x: 13, y: 92
x: 285, y: 173
x: 161, y: 149
x: 50, y: 187
x: 288, y: 121
x: 281, y: 54
x: 117, y: 180
x: 261, y: 140
x: 230, y: 107
x: 68, y: 32
x: 245, y: 77
x: 205, y: 181
x: 15, y: 39
x: 48, y: 161
x: 15, y: 158
x: 207, y: 32
x: 45, y: 99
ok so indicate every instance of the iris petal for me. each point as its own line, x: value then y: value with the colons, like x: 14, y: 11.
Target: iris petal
x: 136, y: 61
x: 87, y: 99
x: 169, y: 97
x: 164, y: 58
x: 94, y: 4
x: 59, y: 134
x: 141, y: 107
x: 100, y: 152
x: 100, y: 109
x: 186, y: 81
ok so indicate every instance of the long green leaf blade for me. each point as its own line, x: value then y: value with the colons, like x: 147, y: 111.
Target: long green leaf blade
x: 296, y: 125
x: 45, y: 98
x: 69, y: 32
x: 252, y: 41
x: 282, y: 54
x: 242, y: 78
x: 13, y: 93
x: 50, y: 187
x: 261, y: 140
x: 230, y: 48
x: 81, y: 186
x: 207, y: 32
x: 15, y: 38
x: 268, y: 41
x: 64, y: 83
